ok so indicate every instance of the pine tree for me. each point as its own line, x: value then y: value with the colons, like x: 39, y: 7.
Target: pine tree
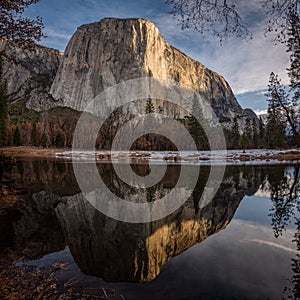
x: 3, y: 109
x: 34, y: 137
x: 3, y: 115
x: 59, y: 142
x: 279, y: 114
x: 235, y: 134
x: 255, y: 134
x: 149, y: 107
x: 261, y: 133
x: 17, y: 137
x: 44, y: 140
x: 285, y: 111
x: 10, y: 137
x: 247, y: 134
x: 195, y: 122
x: 275, y: 129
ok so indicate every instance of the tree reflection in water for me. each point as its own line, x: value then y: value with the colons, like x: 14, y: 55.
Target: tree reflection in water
x: 296, y: 261
x: 284, y: 186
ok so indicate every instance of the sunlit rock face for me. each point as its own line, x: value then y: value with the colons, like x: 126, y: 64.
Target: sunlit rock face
x: 118, y: 251
x: 29, y: 74
x: 102, y: 54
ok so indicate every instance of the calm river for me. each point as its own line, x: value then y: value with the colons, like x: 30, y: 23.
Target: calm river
x: 243, y: 244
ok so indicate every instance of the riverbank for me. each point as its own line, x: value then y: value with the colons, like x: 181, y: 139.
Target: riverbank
x: 249, y: 156
x: 25, y: 151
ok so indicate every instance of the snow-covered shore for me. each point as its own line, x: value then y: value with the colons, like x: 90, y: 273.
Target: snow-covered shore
x: 230, y: 157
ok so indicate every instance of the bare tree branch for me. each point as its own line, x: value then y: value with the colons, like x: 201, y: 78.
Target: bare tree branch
x: 222, y: 18
x: 279, y: 14
x: 218, y: 17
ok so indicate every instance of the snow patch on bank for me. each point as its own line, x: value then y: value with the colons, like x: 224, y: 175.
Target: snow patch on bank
x: 230, y: 157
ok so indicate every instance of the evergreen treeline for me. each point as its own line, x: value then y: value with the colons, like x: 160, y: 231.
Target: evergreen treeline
x: 55, y: 129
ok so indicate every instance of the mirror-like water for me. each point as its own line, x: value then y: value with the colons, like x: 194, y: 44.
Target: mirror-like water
x: 244, y: 244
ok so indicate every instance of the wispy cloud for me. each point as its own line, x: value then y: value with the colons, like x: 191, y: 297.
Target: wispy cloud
x: 262, y: 92
x: 272, y: 244
x: 56, y: 34
x: 246, y: 65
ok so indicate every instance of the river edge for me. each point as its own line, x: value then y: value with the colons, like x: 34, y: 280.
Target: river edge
x: 249, y: 156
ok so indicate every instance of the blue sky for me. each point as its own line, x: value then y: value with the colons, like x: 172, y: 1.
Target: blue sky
x: 246, y: 65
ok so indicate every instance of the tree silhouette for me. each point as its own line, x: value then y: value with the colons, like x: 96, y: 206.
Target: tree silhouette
x: 44, y: 140
x: 17, y: 137
x: 285, y: 105
x: 285, y: 196
x: 149, y: 107
x: 293, y: 47
x: 195, y: 123
x: 296, y: 261
x: 255, y: 134
x: 3, y: 109
x: 235, y: 133
x: 280, y: 14
x: 285, y: 191
x: 261, y: 133
x: 34, y: 135
x: 200, y: 186
x: 59, y: 142
x: 222, y: 18
x: 276, y: 119
x: 21, y: 31
x: 247, y: 134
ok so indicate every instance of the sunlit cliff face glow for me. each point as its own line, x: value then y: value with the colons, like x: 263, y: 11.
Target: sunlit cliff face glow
x: 115, y: 50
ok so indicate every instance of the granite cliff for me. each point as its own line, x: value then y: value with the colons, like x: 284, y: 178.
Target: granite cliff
x: 103, y: 54
x: 29, y: 75
x: 115, y: 50
x: 48, y: 89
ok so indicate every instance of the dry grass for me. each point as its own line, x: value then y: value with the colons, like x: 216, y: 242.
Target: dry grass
x: 23, y: 151
x: 30, y: 282
x: 281, y: 156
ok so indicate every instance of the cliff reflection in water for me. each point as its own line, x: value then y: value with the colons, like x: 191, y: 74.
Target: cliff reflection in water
x: 110, y: 249
x: 118, y: 251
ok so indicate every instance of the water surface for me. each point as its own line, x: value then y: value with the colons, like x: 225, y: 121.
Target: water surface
x: 243, y: 244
